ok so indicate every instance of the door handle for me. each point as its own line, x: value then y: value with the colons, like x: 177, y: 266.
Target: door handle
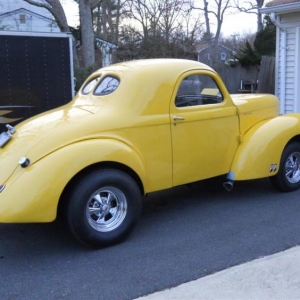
x: 176, y: 118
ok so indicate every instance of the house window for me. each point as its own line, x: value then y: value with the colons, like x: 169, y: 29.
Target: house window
x: 22, y: 19
x: 223, y: 56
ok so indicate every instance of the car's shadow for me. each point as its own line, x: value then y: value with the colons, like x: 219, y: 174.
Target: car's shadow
x: 158, y: 207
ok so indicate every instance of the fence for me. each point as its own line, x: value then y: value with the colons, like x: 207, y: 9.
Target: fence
x: 266, y: 78
x: 254, y: 78
x: 234, y: 77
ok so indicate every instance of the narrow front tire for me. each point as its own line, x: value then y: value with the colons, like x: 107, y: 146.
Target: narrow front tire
x: 288, y: 177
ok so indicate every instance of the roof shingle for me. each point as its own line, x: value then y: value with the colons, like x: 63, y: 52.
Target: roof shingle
x: 280, y: 2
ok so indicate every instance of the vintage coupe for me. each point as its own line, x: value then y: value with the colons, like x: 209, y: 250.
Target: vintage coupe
x: 134, y: 128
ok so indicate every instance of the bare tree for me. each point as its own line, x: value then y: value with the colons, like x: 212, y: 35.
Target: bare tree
x: 189, y: 34
x: 206, y: 18
x: 178, y: 27
x: 56, y: 9
x: 170, y: 16
x: 107, y: 18
x: 252, y: 7
x: 216, y: 9
x: 146, y: 13
x: 87, y: 33
x: 163, y: 28
x: 128, y: 44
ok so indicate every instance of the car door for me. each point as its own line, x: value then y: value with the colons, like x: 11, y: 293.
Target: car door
x: 204, y: 127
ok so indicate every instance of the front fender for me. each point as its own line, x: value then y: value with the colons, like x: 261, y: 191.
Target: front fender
x: 32, y: 194
x: 261, y: 147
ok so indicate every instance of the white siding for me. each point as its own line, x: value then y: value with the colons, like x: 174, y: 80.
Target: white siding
x: 277, y: 64
x: 290, y: 69
x: 32, y: 23
x: 297, y: 70
x: 32, y: 19
x: 290, y: 22
x: 10, y: 5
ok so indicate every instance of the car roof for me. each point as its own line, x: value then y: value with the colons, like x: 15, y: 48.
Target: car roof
x: 146, y: 85
x: 170, y: 65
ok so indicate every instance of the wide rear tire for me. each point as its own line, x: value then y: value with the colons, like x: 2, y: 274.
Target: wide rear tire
x: 288, y: 176
x: 103, y: 207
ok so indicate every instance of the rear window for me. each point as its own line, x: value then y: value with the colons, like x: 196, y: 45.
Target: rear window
x: 107, y: 85
x: 90, y: 85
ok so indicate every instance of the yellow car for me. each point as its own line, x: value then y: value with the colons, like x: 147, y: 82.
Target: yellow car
x: 135, y: 128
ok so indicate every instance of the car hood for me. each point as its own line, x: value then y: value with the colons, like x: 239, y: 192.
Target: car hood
x: 41, y: 135
x: 253, y: 108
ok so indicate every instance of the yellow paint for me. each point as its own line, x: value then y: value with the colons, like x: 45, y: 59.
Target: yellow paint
x: 136, y: 126
x: 262, y: 146
x: 253, y: 108
x: 204, y: 142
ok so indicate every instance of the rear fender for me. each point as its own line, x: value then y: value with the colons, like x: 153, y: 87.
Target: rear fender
x: 32, y: 194
x: 261, y: 147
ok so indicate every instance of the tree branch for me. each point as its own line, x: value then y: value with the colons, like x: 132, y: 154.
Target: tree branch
x: 39, y: 4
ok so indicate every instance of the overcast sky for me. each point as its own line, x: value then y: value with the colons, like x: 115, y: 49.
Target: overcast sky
x: 237, y: 23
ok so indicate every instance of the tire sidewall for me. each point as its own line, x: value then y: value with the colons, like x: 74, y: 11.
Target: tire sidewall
x: 85, y: 188
x: 280, y: 181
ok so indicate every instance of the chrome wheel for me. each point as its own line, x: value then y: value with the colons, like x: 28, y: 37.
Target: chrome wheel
x: 103, y: 207
x: 106, y: 209
x: 292, y: 168
x: 288, y: 177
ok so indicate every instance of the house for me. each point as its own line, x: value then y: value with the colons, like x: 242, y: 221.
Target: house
x: 17, y: 15
x: 285, y: 14
x: 223, y: 55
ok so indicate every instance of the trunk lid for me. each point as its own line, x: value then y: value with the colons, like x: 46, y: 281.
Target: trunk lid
x: 52, y: 127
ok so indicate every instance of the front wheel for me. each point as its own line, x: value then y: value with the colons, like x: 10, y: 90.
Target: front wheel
x: 288, y: 176
x: 103, y: 207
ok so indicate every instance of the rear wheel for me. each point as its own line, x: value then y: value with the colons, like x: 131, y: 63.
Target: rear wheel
x: 288, y: 176
x: 103, y: 207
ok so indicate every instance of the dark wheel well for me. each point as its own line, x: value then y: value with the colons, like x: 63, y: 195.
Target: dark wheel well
x: 104, y: 165
x: 294, y: 139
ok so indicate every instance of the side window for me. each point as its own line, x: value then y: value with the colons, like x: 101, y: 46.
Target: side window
x: 198, y: 90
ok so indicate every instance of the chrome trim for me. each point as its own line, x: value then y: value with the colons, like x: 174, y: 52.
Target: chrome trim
x: 176, y: 118
x: 106, y: 209
x: 2, y: 187
x: 292, y: 168
x: 4, y: 138
x: 11, y: 129
x: 13, y: 106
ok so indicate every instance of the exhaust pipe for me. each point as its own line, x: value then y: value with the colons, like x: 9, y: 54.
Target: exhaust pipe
x: 228, y: 185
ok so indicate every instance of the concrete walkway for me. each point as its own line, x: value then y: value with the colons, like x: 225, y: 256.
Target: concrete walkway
x: 274, y: 277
